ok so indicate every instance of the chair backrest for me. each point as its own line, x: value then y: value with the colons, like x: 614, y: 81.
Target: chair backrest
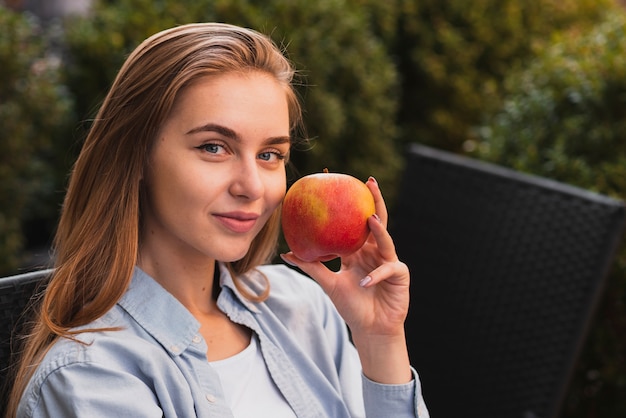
x: 507, y: 269
x: 16, y: 293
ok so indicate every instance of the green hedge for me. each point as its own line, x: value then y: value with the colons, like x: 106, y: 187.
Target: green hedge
x: 564, y: 117
x: 34, y: 109
x: 453, y: 56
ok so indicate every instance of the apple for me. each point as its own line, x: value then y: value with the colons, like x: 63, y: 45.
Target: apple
x: 324, y: 216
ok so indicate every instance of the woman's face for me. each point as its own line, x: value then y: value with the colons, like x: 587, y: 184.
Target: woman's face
x: 217, y: 169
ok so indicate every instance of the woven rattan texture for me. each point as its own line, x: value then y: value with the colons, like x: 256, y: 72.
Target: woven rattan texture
x: 506, y: 269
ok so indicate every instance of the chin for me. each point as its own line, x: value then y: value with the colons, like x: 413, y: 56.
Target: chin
x: 230, y: 250
x: 232, y: 256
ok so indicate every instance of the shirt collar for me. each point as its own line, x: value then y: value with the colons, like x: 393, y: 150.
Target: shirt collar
x: 166, y: 319
x: 252, y: 280
x: 159, y: 313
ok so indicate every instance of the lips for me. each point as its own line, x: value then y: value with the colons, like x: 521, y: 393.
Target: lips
x: 238, y: 222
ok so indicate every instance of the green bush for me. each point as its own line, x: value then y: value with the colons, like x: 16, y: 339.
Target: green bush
x: 97, y: 44
x: 33, y: 109
x: 453, y: 56
x: 349, y: 82
x: 564, y: 117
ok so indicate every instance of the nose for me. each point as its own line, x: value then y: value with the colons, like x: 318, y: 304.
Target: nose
x: 247, y: 181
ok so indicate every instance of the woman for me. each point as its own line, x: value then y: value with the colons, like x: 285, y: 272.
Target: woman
x: 160, y: 304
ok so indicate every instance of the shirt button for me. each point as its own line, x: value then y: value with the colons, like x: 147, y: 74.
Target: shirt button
x: 196, y: 339
x: 210, y: 398
x: 174, y: 348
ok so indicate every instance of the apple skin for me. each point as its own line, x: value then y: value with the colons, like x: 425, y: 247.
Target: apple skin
x: 324, y: 216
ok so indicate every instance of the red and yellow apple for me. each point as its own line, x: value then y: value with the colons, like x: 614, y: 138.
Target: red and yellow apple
x: 324, y: 216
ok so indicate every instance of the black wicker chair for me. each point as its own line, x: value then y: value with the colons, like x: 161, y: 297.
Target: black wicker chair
x: 16, y: 293
x: 507, y: 269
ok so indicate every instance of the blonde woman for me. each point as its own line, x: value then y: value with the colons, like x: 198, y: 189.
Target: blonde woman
x: 162, y: 304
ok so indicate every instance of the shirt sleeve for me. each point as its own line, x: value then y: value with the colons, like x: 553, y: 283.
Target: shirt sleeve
x: 89, y: 390
x: 382, y: 400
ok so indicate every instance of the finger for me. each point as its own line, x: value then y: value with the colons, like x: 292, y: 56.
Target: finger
x: 379, y: 202
x: 396, y: 273
x: 384, y: 242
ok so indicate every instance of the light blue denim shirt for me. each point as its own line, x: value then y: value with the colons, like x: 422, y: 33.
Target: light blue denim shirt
x: 155, y: 365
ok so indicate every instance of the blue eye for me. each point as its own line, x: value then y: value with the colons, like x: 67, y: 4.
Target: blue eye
x: 211, y: 148
x: 267, y: 156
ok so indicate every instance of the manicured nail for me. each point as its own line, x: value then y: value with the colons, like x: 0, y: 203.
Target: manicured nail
x: 377, y: 218
x: 365, y: 281
x: 286, y: 260
x: 373, y: 180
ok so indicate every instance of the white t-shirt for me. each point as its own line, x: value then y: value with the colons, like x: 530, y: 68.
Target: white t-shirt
x: 248, y: 386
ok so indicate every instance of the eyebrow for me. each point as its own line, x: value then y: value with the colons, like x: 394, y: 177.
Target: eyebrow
x: 229, y: 133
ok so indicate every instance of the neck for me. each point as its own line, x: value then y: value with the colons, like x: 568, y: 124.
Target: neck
x: 191, y: 283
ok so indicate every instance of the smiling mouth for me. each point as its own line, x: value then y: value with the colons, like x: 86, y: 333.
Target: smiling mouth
x: 238, y: 223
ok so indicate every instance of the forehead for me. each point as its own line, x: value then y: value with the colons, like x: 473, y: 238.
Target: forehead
x: 251, y: 96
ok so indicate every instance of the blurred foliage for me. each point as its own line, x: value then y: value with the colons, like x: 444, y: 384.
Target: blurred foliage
x: 564, y: 117
x: 97, y: 45
x: 34, y: 110
x: 453, y: 55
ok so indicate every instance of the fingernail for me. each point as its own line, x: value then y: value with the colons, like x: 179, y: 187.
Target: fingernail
x: 286, y: 260
x: 373, y: 180
x: 377, y: 218
x: 365, y: 281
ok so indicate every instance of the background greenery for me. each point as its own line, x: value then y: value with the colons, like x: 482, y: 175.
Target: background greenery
x: 564, y: 117
x: 537, y: 86
x: 35, y: 112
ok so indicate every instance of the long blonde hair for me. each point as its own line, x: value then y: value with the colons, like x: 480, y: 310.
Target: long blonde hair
x: 97, y: 240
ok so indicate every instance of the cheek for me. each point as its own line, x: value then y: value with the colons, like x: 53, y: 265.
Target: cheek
x: 276, y: 190
x: 172, y: 189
